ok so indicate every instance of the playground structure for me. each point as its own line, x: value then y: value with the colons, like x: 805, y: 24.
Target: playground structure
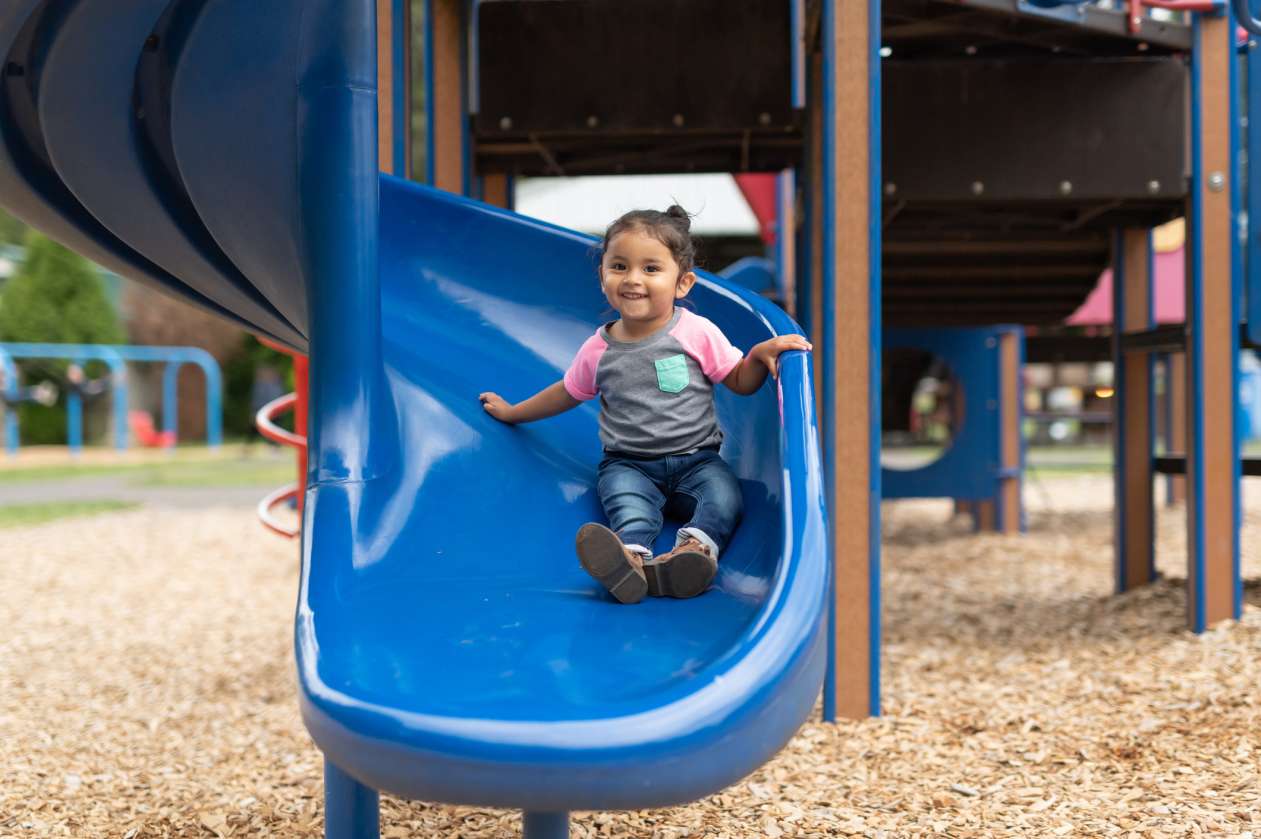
x: 982, y: 465
x: 980, y: 227
x: 116, y: 357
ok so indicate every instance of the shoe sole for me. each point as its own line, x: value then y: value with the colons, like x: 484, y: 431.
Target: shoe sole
x: 683, y: 575
x: 603, y: 556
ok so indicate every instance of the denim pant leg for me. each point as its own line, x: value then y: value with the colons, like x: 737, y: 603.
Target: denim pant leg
x: 716, y: 491
x: 632, y: 501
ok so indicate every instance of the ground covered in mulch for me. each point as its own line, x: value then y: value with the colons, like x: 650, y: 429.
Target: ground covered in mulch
x: 147, y: 690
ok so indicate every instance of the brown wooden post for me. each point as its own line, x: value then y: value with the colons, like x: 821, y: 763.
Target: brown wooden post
x: 1212, y: 458
x: 1133, y: 432
x: 851, y: 147
x: 448, y: 167
x: 1008, y: 517
x: 495, y: 189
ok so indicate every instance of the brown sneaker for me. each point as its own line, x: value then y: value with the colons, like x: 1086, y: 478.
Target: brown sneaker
x: 604, y: 557
x: 684, y: 572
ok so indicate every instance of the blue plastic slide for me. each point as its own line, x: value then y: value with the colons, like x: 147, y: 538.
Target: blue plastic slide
x: 449, y: 646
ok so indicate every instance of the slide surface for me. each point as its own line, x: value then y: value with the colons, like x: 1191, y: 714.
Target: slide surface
x: 449, y: 646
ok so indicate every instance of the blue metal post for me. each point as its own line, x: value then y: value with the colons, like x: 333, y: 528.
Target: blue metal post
x: 545, y: 825
x: 1253, y: 249
x: 351, y: 810
x: 118, y: 393
x: 10, y: 373
x: 74, y: 422
x: 170, y: 398
x: 401, y: 111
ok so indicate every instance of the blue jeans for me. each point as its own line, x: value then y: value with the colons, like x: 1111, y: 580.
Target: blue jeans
x: 699, y: 488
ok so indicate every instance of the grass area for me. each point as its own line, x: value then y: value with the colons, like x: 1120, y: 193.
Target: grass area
x: 217, y: 473
x: 227, y: 472
x: 18, y: 515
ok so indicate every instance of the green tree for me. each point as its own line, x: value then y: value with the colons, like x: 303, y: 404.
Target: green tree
x: 55, y: 297
x: 12, y: 231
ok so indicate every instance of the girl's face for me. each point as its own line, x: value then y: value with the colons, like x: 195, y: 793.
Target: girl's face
x: 641, y: 279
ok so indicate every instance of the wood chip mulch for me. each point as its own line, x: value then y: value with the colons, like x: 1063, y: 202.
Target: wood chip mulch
x: 147, y: 690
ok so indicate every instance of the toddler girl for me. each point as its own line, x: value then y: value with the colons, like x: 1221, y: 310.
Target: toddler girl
x: 654, y: 369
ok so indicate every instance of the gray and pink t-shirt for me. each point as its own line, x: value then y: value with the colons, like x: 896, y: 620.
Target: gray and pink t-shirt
x: 656, y: 394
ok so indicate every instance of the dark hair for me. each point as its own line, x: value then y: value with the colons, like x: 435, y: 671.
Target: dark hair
x: 673, y: 228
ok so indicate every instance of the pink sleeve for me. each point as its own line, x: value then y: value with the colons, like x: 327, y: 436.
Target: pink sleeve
x: 580, y: 377
x: 705, y: 342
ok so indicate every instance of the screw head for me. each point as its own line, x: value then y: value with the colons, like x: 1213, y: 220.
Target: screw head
x: 970, y: 49
x: 1153, y: 186
x: 1216, y: 181
x: 505, y: 123
x: 977, y: 187
x: 593, y: 121
x: 764, y: 118
x: 1066, y: 187
x: 890, y: 188
x: 678, y: 120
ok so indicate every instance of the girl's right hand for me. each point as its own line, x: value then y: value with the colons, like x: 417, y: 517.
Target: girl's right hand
x: 496, y: 406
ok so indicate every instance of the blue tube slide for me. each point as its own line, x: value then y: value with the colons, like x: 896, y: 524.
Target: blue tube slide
x: 449, y: 646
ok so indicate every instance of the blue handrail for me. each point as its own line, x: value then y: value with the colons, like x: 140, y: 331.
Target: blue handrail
x: 115, y: 357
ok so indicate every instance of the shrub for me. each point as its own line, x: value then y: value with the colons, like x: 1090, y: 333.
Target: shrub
x: 55, y: 297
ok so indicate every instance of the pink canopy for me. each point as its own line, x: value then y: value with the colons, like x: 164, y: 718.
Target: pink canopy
x: 1170, y: 294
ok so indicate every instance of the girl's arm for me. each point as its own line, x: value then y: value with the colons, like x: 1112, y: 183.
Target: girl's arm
x: 753, y: 369
x: 548, y: 402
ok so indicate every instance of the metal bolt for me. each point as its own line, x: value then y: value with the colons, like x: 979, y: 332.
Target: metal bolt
x: 505, y: 123
x: 593, y: 121
x: 678, y: 120
x: 1142, y: 46
x: 890, y: 188
x: 1216, y: 181
x: 1153, y: 186
x: 977, y: 187
x: 1066, y: 187
x: 764, y: 118
x: 1137, y: 21
x: 970, y: 50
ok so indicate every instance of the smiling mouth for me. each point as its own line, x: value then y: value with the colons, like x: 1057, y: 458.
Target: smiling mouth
x: 631, y: 295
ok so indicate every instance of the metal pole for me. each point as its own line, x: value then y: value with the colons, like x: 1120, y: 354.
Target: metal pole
x: 351, y: 810
x: 10, y: 372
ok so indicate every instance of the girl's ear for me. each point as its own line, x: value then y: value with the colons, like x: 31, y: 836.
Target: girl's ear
x: 684, y: 285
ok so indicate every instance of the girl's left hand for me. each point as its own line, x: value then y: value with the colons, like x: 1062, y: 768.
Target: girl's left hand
x: 768, y: 352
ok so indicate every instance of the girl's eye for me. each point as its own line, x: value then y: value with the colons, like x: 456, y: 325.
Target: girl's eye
x: 651, y: 269
x: 617, y: 266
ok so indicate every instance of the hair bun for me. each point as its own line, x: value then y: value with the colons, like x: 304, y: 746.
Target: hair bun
x: 681, y: 215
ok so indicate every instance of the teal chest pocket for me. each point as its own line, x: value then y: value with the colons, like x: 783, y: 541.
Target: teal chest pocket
x: 672, y: 373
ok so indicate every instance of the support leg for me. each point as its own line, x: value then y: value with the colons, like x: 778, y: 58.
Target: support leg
x: 350, y: 809
x: 1214, y: 591
x: 851, y: 349
x: 545, y: 825
x: 1132, y: 427
x: 1176, y: 441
